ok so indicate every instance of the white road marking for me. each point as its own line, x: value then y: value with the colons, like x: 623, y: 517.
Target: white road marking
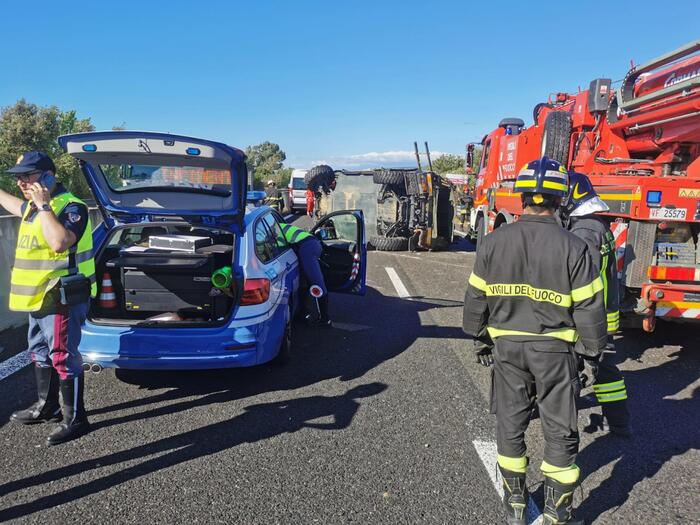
x: 14, y: 364
x: 400, y: 288
x: 488, y: 453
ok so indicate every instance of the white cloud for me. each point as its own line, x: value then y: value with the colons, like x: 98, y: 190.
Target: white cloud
x: 376, y: 159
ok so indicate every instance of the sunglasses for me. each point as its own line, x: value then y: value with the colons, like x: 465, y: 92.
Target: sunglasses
x: 25, y: 177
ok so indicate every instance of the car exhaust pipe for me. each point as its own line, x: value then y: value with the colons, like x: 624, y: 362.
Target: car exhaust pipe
x: 95, y: 368
x: 86, y: 367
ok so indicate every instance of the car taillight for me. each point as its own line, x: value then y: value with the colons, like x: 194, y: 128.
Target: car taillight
x: 255, y: 291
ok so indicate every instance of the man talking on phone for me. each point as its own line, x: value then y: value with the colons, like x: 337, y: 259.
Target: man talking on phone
x: 53, y: 278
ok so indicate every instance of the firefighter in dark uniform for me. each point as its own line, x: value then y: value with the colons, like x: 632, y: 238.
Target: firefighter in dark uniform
x: 580, y: 217
x: 534, y: 292
x: 308, y: 249
x: 53, y: 278
x: 273, y: 196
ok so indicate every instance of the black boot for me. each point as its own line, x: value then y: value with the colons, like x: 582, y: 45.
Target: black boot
x: 515, y: 496
x: 75, y: 422
x: 317, y: 309
x: 558, y: 500
x: 323, y: 307
x: 47, y: 407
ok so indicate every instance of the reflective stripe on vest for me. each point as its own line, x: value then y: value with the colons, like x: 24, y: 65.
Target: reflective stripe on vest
x: 293, y: 235
x: 37, y: 267
x: 567, y: 334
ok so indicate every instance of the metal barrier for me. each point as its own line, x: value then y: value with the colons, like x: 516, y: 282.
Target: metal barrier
x: 9, y: 226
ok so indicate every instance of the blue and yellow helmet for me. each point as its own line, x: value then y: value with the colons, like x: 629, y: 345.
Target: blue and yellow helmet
x: 583, y: 199
x: 545, y: 177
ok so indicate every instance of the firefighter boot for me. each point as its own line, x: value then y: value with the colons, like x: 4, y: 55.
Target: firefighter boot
x: 515, y: 496
x: 558, y: 500
x: 75, y: 422
x: 46, y: 408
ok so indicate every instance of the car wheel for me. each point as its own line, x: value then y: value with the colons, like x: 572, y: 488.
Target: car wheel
x: 389, y: 244
x: 284, y: 355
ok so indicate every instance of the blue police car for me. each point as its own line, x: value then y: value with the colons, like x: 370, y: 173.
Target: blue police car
x: 190, y: 274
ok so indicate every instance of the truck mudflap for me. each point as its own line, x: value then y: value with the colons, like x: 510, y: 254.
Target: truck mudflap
x: 670, y: 301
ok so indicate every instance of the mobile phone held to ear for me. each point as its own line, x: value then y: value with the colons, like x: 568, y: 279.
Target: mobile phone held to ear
x: 47, y: 180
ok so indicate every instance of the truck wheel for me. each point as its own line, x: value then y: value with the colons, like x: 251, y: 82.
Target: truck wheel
x: 555, y: 139
x: 389, y: 244
x: 393, y: 177
x: 319, y: 176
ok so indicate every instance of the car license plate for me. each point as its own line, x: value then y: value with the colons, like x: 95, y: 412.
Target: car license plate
x: 668, y: 213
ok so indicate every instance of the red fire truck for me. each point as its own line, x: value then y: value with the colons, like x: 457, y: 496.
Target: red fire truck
x: 640, y: 145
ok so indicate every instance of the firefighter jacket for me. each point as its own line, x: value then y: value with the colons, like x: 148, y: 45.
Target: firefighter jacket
x: 533, y: 280
x: 601, y: 245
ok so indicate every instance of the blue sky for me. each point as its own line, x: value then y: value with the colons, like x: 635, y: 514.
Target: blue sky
x: 349, y: 83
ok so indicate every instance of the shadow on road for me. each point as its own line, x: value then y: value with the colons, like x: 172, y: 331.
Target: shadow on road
x: 258, y: 422
x: 371, y: 330
x: 665, y: 410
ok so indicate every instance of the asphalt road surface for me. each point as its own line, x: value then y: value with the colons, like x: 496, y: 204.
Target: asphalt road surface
x: 382, y: 419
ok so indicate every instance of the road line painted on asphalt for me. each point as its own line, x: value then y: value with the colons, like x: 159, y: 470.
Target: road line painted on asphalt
x: 488, y: 453
x: 400, y: 288
x: 14, y: 364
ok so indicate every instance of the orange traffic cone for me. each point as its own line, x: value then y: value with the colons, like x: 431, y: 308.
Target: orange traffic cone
x: 108, y: 299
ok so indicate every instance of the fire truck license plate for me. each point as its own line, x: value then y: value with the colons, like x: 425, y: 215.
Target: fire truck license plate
x: 668, y: 213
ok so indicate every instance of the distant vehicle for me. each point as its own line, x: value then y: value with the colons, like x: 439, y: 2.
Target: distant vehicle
x: 297, y: 191
x: 191, y: 276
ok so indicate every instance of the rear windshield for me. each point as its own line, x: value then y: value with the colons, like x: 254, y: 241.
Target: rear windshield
x: 298, y: 183
x: 123, y: 177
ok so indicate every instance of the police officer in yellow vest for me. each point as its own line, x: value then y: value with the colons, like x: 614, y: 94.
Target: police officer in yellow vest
x: 309, y: 249
x: 53, y: 278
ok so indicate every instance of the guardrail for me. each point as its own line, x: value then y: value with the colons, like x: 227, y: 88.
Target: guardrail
x: 9, y: 226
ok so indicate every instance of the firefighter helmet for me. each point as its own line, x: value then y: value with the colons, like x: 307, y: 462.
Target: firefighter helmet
x: 543, y: 177
x: 583, y: 199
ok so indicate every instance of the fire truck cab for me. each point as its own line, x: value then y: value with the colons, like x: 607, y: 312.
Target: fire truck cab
x: 640, y: 146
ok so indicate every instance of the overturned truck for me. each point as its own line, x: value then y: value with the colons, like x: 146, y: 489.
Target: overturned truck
x: 414, y: 210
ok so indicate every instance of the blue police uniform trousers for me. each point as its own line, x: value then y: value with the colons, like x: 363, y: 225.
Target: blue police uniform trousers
x: 54, y: 338
x: 309, y: 252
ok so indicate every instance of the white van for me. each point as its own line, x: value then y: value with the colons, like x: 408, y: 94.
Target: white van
x: 297, y: 191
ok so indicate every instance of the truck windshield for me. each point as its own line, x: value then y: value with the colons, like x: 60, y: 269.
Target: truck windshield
x: 298, y: 183
x: 123, y: 177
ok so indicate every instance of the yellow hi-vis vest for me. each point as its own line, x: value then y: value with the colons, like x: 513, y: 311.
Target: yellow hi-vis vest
x: 37, y: 267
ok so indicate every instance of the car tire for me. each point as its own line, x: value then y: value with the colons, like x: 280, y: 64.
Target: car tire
x: 389, y: 244
x: 555, y: 139
x: 285, y: 353
x: 392, y: 177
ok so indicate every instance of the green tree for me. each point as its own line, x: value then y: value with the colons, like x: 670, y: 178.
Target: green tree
x: 448, y: 164
x: 25, y: 126
x: 265, y: 160
x: 283, y: 177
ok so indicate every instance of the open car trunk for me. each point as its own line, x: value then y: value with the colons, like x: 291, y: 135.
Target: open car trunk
x: 161, y: 273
